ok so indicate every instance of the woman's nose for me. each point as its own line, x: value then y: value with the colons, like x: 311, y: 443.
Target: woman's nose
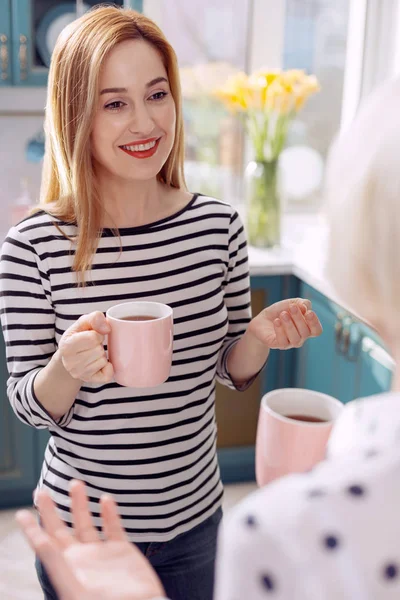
x: 141, y: 123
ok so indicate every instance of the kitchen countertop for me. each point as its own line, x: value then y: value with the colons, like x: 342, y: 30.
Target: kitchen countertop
x: 302, y: 252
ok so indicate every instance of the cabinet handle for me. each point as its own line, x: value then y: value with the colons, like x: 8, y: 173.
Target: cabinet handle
x: 345, y: 342
x: 23, y: 56
x: 347, y: 345
x: 3, y: 56
x: 378, y: 353
x: 339, y: 331
x: 338, y: 334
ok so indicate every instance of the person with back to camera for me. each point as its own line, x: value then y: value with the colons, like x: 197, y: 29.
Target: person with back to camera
x: 116, y: 223
x: 333, y: 533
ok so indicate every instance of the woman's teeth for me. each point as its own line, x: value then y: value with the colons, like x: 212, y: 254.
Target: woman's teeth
x: 140, y: 147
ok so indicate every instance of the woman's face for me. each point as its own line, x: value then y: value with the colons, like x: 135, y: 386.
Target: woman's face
x: 134, y: 126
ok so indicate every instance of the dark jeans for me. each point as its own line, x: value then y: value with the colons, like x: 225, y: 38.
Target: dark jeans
x: 185, y: 565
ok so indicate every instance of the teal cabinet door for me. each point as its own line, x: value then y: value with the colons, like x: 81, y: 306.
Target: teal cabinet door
x: 18, y: 464
x: 318, y: 359
x: 348, y: 360
x: 5, y: 43
x: 28, y: 65
x: 323, y: 363
x: 135, y: 4
x: 375, y: 368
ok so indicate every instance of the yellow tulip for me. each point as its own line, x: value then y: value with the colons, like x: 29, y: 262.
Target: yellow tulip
x: 269, y: 98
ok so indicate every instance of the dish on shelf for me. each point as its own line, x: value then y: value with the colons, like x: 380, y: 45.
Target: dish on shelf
x: 51, y: 25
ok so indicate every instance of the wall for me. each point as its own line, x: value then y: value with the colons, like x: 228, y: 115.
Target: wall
x: 15, y: 131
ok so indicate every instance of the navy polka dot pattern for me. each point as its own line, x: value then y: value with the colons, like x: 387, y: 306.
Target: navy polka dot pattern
x: 331, y: 542
x: 268, y: 583
x: 390, y: 571
x: 250, y: 521
x: 356, y: 490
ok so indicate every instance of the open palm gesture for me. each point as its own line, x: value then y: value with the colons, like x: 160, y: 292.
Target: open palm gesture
x: 82, y: 566
x: 286, y: 324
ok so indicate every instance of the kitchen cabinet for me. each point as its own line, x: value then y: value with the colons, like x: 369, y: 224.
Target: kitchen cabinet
x: 28, y: 30
x: 5, y: 43
x: 348, y: 360
x: 18, y: 458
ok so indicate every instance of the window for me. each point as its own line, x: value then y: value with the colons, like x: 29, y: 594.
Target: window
x: 315, y: 39
x: 211, y: 40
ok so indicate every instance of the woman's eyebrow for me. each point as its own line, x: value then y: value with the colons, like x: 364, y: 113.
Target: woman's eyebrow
x: 122, y: 90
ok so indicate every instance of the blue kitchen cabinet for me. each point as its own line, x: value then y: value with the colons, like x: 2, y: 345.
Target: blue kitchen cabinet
x: 29, y: 29
x: 375, y: 367
x: 318, y: 358
x: 18, y: 457
x: 323, y: 364
x: 5, y: 43
x: 348, y: 360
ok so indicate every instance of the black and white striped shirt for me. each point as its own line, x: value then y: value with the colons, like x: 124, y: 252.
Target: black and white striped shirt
x: 153, y: 449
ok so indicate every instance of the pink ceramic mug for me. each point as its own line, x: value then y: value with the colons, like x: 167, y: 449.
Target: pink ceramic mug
x: 140, y: 350
x: 286, y: 445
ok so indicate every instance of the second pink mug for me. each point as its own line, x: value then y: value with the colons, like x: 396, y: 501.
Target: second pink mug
x: 140, y: 343
x: 291, y: 445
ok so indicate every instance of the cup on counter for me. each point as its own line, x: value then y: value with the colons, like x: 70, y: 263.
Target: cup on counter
x: 293, y: 429
x: 140, y: 343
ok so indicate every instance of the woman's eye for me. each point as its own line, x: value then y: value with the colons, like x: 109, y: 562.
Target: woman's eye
x: 115, y: 105
x: 158, y: 95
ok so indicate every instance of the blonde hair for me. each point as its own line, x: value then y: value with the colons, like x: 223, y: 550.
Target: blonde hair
x: 69, y: 189
x: 363, y: 207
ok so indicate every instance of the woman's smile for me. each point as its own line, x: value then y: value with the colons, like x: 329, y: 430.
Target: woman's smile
x: 142, y: 149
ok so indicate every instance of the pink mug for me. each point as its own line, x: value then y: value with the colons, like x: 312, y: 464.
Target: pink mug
x: 288, y: 445
x: 140, y: 350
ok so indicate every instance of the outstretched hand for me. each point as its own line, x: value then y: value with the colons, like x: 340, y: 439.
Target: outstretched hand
x: 80, y: 565
x: 286, y: 324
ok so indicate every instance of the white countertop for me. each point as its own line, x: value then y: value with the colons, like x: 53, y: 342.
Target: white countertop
x: 302, y: 251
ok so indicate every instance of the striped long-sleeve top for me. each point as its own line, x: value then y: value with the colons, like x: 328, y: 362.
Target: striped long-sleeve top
x: 153, y: 449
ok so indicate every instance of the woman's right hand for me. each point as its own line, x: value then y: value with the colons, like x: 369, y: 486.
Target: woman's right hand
x: 82, y: 351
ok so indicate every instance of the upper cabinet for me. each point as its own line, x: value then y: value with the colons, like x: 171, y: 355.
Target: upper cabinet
x: 5, y: 42
x: 28, y: 32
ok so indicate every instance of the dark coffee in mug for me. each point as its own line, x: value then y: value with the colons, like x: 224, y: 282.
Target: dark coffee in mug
x: 139, y: 318
x: 306, y: 418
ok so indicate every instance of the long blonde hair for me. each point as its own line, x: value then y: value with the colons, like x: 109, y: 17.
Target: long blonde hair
x: 69, y: 189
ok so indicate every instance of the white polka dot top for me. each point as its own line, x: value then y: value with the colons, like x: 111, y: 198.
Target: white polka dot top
x: 330, y: 534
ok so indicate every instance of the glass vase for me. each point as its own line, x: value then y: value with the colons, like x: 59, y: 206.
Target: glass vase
x: 263, y: 204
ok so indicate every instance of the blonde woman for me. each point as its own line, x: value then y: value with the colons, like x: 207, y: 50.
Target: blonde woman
x: 116, y: 223
x: 332, y: 534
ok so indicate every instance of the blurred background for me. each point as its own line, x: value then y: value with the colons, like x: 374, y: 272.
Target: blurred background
x: 350, y: 45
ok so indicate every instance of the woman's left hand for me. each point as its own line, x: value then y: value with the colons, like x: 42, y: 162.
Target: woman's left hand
x: 285, y: 324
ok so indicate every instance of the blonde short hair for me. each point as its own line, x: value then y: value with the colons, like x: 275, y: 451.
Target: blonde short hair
x: 363, y: 206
